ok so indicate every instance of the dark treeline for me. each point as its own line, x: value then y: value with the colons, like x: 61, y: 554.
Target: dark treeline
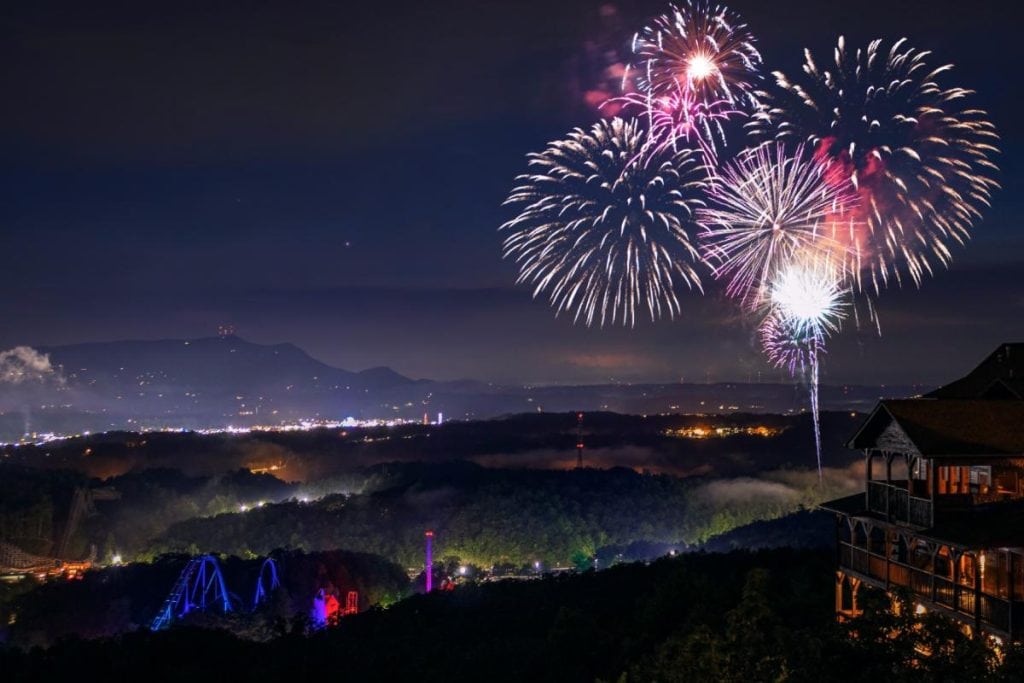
x: 487, y: 516
x: 484, y: 516
x: 128, y: 512
x: 735, y: 617
x: 532, y: 440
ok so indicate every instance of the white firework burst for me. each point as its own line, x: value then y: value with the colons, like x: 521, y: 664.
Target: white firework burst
x: 603, y: 225
x: 765, y: 207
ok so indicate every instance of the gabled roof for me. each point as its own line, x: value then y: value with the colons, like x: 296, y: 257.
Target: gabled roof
x: 1005, y: 366
x: 936, y: 428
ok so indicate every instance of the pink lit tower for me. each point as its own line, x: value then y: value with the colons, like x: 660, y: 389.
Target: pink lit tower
x: 430, y: 560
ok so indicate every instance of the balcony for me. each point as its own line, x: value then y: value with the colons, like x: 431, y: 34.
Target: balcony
x: 935, y: 591
x: 896, y: 503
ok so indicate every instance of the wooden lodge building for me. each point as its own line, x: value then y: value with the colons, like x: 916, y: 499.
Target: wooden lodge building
x: 942, y: 513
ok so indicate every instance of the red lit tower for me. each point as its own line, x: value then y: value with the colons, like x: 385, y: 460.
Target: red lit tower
x: 579, y: 440
x: 352, y: 602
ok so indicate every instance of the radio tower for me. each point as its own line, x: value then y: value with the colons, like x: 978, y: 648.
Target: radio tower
x: 579, y: 440
x: 430, y: 560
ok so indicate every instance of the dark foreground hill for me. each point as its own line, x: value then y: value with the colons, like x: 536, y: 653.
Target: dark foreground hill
x: 736, y: 617
x: 122, y: 599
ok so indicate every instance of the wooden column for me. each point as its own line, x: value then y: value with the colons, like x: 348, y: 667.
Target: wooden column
x: 934, y: 484
x: 934, y: 547
x: 977, y: 592
x: 1010, y: 591
x: 869, y: 458
x: 954, y: 558
x: 888, y: 553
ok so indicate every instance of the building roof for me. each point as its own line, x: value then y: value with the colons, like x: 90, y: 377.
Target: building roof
x: 937, y: 428
x: 1003, y: 367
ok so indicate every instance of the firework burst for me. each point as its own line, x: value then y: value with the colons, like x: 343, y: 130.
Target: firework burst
x: 783, y: 346
x: 917, y: 157
x: 766, y: 207
x: 701, y: 48
x: 808, y: 293
x: 694, y: 68
x: 604, y: 224
x: 681, y: 120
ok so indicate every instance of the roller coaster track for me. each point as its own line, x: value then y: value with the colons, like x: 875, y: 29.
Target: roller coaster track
x: 199, y: 585
x: 266, y: 582
x: 14, y: 559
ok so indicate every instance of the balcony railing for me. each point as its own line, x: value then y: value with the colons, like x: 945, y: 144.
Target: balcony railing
x: 896, y: 503
x: 990, y: 610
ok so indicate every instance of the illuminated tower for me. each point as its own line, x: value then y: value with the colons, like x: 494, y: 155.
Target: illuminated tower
x: 352, y: 602
x: 579, y: 440
x: 430, y: 560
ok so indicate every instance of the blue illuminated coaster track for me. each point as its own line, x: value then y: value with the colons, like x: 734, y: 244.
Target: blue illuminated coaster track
x: 200, y: 585
x: 266, y: 582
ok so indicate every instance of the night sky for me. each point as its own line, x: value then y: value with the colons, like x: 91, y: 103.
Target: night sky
x: 331, y: 174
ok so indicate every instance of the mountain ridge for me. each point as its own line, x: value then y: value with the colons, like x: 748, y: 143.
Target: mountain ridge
x: 215, y: 382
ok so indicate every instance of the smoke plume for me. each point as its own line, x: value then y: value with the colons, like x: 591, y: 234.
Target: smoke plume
x: 24, y: 364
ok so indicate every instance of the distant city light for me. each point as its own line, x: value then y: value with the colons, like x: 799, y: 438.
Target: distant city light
x: 115, y: 558
x: 42, y: 438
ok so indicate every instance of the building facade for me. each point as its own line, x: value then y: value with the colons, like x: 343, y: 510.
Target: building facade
x: 942, y: 512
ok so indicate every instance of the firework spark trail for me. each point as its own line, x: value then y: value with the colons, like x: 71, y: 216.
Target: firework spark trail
x: 807, y: 305
x: 815, y: 417
x: 918, y: 159
x: 765, y: 207
x: 784, y: 347
x: 603, y: 224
